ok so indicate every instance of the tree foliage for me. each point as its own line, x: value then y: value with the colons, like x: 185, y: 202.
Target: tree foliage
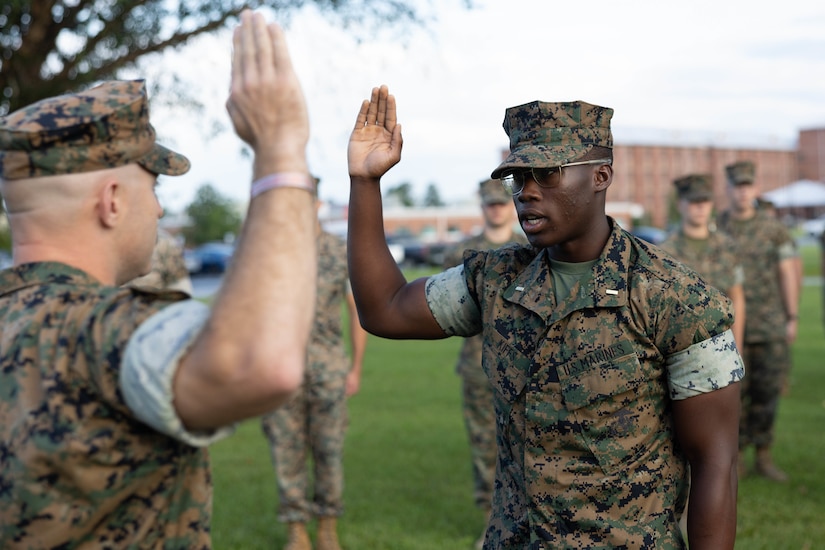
x: 213, y: 216
x: 49, y: 47
x: 433, y: 197
x: 400, y: 195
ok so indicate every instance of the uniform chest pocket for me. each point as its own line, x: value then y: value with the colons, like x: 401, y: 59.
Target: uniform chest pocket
x: 616, y: 410
x: 506, y: 367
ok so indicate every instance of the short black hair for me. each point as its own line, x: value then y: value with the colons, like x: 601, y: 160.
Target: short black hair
x: 598, y: 152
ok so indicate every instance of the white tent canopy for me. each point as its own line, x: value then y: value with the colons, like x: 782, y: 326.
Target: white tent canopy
x: 798, y: 194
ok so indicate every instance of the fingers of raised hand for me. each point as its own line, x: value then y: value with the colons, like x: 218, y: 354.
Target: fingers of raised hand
x: 281, y: 59
x: 361, y: 119
x: 379, y: 110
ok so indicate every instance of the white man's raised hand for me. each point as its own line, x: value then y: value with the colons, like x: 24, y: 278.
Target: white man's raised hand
x: 375, y: 142
x: 266, y: 103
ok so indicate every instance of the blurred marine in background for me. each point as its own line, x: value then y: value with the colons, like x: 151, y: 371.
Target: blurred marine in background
x: 767, y: 254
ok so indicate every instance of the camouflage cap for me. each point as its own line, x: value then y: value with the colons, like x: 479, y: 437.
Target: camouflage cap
x: 104, y: 127
x: 493, y: 192
x: 741, y: 172
x: 544, y: 135
x: 694, y: 188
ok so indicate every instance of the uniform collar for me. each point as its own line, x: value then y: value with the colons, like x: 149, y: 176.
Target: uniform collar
x: 533, y: 287
x: 43, y: 273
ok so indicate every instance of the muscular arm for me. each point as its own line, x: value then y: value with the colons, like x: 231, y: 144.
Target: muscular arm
x: 388, y: 305
x: 707, y: 427
x: 250, y: 355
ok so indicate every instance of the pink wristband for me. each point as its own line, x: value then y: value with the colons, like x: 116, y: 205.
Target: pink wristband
x: 298, y: 180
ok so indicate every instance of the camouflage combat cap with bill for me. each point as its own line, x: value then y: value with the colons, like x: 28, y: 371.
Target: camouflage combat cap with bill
x: 104, y: 127
x: 493, y: 192
x: 545, y: 135
x: 694, y: 187
x: 740, y: 173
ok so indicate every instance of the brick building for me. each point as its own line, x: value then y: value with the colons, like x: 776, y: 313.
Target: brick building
x: 644, y: 174
x: 642, y: 188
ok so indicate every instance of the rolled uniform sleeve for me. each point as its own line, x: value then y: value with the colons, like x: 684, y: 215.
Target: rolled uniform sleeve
x: 450, y: 302
x: 150, y: 362
x: 704, y: 367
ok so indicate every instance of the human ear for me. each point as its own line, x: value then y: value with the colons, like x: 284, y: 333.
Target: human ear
x: 110, y: 203
x: 602, y: 177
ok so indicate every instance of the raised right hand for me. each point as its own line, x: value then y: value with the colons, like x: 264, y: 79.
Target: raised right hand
x: 266, y: 103
x: 375, y: 142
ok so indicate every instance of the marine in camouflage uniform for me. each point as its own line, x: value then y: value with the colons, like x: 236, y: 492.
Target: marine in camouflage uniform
x: 767, y: 253
x: 476, y: 393
x: 79, y: 468
x: 583, y: 387
x: 611, y: 363
x: 712, y: 254
x: 168, y: 267
x: 109, y: 394
x: 313, y: 423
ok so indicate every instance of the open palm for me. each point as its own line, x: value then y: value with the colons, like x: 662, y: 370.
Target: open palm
x: 375, y: 142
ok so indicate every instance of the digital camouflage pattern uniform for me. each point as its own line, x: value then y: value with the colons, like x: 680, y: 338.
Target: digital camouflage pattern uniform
x: 476, y: 393
x: 715, y: 260
x: 587, y: 455
x: 77, y: 469
x: 168, y: 266
x: 314, y: 421
x: 761, y: 243
x: 583, y: 387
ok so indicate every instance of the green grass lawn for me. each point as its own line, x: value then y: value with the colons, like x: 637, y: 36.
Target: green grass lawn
x: 407, y: 463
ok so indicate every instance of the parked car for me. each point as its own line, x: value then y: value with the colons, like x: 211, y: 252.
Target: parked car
x: 417, y: 253
x: 814, y: 227
x: 209, y: 258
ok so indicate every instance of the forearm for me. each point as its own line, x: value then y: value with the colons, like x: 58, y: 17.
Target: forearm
x: 789, y: 287
x: 712, y: 506
x: 707, y: 428
x: 358, y: 341
x: 737, y: 296
x: 375, y: 277
x: 250, y: 356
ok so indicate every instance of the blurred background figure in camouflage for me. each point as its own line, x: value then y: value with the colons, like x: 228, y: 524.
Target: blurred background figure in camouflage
x: 476, y: 394
x: 767, y: 254
x: 711, y: 253
x: 313, y: 423
x: 168, y: 266
x: 109, y: 394
x: 613, y: 366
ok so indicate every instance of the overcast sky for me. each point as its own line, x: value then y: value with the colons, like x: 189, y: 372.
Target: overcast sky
x: 726, y: 72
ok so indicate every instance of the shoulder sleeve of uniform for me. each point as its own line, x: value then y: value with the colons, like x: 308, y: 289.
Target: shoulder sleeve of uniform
x: 704, y: 367
x: 450, y: 302
x: 690, y: 311
x: 150, y: 362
